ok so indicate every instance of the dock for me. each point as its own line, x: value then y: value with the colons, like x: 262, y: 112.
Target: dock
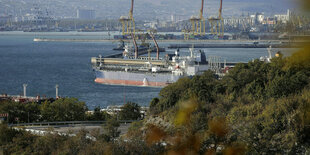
x: 208, y: 45
x: 20, y: 98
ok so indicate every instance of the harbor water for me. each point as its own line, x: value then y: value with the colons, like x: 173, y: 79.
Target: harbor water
x: 42, y: 65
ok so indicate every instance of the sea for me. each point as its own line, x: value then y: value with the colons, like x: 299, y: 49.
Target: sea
x: 43, y: 65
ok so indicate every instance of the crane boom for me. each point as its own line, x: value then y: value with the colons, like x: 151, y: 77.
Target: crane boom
x: 220, y: 10
x: 156, y: 45
x: 131, y: 9
x: 135, y: 44
x: 201, y: 10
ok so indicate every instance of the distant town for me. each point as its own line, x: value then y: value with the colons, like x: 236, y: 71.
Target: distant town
x: 40, y: 19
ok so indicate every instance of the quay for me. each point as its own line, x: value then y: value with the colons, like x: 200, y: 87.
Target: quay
x: 158, y: 40
x: 231, y: 45
x: 19, y: 98
x: 28, y: 99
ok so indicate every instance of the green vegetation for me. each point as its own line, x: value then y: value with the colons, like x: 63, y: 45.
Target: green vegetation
x: 98, y: 115
x: 66, y: 109
x: 258, y: 108
x: 111, y: 129
x: 130, y: 111
x: 14, y: 141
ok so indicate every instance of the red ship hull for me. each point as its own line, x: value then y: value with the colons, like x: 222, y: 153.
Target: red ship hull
x: 130, y: 82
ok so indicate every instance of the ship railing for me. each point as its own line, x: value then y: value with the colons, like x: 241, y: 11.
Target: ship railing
x: 144, y: 58
x: 120, y: 67
x: 139, y: 70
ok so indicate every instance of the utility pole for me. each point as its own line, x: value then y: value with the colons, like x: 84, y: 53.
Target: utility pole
x: 25, y: 89
x: 57, y: 86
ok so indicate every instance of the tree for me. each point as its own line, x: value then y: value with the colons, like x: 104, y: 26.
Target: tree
x: 171, y: 94
x: 23, y: 111
x: 7, y: 134
x: 154, y: 108
x: 203, y: 86
x: 66, y: 109
x: 130, y: 111
x: 49, y: 144
x: 111, y: 129
x: 98, y: 115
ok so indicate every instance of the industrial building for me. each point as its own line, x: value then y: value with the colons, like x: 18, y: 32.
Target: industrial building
x: 86, y: 14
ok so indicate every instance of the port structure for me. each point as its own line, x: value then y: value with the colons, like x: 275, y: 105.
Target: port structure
x: 186, y: 33
x: 128, y: 22
x: 217, y: 23
x: 198, y: 23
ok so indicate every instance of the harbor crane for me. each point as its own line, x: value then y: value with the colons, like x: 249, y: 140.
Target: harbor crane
x: 198, y: 23
x: 151, y: 33
x: 128, y: 22
x: 217, y: 23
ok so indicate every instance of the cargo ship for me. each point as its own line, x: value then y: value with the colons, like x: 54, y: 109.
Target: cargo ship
x: 134, y: 70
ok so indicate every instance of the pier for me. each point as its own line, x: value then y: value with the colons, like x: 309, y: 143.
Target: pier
x: 28, y: 99
x: 231, y: 45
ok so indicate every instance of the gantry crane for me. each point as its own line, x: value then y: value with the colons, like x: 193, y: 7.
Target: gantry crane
x: 128, y: 22
x: 217, y: 23
x: 186, y: 33
x: 198, y: 23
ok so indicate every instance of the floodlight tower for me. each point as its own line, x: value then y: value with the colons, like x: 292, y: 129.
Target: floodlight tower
x: 128, y: 22
x: 217, y: 23
x: 198, y: 23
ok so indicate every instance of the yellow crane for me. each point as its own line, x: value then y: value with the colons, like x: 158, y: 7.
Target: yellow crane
x: 128, y: 22
x: 198, y: 23
x: 217, y: 23
x: 186, y: 33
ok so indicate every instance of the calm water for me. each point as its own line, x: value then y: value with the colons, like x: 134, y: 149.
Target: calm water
x: 42, y: 65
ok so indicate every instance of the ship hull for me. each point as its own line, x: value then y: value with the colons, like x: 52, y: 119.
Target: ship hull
x: 147, y: 79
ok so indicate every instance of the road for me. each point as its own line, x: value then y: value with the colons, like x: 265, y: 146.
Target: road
x: 75, y: 128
